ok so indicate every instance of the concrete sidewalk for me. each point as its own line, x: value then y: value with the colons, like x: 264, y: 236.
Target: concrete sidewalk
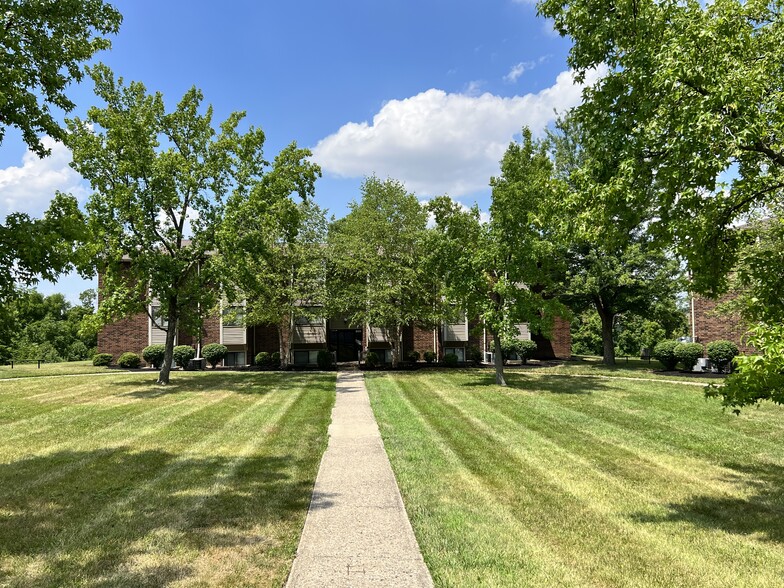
x: 357, y: 532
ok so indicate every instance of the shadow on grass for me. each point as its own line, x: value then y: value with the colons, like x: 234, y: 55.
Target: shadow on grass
x: 89, y: 523
x: 761, y: 513
x: 532, y: 382
x: 250, y: 383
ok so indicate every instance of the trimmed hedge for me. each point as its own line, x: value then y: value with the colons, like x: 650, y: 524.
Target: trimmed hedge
x: 100, y: 359
x: 324, y: 360
x: 664, y: 353
x: 129, y: 360
x: 721, y: 353
x: 183, y: 354
x: 214, y: 353
x: 412, y: 356
x: 153, y: 355
x: 527, y: 349
x: 371, y: 359
x: 450, y: 360
x: 688, y: 354
x: 430, y: 356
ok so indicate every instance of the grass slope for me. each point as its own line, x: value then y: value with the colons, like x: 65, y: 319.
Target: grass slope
x: 114, y: 481
x: 560, y: 481
x: 27, y: 370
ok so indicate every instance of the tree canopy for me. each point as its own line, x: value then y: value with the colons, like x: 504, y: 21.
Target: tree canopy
x: 44, y: 44
x: 273, y: 248
x: 500, y: 270
x: 160, y: 179
x: 377, y: 261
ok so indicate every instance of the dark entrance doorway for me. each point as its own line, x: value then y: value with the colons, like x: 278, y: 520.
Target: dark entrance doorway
x: 345, y: 343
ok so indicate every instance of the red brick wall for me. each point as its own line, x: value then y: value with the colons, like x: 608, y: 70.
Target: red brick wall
x: 421, y: 340
x: 124, y: 335
x: 265, y: 338
x: 710, y: 326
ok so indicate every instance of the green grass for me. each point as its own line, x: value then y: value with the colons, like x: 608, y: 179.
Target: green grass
x: 559, y: 481
x: 633, y: 368
x: 26, y: 370
x: 114, y: 481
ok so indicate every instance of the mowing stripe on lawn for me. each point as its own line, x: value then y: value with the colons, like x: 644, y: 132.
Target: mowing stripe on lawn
x: 582, y: 493
x: 494, y: 551
x: 581, y: 482
x: 148, y: 429
x: 255, y: 415
x: 541, y: 505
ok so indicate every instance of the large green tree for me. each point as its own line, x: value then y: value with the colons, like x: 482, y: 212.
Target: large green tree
x: 44, y: 44
x: 31, y: 249
x: 377, y: 272
x: 689, y: 106
x: 614, y: 265
x: 273, y: 248
x: 500, y: 270
x: 160, y: 179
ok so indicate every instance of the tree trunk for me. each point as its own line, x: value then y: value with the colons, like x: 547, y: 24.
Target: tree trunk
x: 284, y: 341
x: 608, y: 343
x: 395, y: 346
x: 168, y: 354
x: 498, y: 360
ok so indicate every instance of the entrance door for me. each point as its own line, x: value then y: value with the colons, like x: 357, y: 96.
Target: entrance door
x: 346, y: 344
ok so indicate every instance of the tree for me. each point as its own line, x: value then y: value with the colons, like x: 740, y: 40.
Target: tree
x: 160, y: 179
x: 273, y: 249
x: 614, y: 267
x: 500, y: 270
x: 377, y: 272
x: 44, y: 327
x: 44, y: 43
x: 689, y: 105
x: 31, y: 249
x: 690, y: 95
x: 759, y: 283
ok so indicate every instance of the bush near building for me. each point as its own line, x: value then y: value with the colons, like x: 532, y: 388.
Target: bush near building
x: 153, y: 355
x: 129, y: 360
x: 214, y: 353
x: 183, y: 354
x: 721, y: 353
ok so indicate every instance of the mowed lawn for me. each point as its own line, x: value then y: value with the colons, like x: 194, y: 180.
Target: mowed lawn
x: 567, y: 481
x: 114, y: 481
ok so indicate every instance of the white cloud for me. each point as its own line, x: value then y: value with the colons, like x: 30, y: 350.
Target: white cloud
x: 517, y: 70
x: 32, y: 186
x: 442, y: 143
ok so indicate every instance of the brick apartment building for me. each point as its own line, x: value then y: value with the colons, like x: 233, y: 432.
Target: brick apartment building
x: 347, y: 342
x: 707, y: 324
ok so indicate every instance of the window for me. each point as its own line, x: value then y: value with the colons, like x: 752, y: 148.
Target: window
x: 458, y: 351
x: 158, y: 319
x: 234, y: 316
x: 234, y: 358
x: 305, y: 356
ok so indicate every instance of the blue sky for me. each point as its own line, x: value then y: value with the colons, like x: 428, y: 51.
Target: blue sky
x: 428, y: 92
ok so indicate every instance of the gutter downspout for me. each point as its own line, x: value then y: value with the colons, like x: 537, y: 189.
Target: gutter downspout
x: 693, y: 316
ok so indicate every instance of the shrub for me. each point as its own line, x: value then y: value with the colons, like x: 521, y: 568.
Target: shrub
x: 527, y: 349
x: 371, y: 359
x: 76, y: 351
x: 664, y: 353
x: 721, y: 354
x: 474, y: 354
x: 214, y: 353
x: 412, y: 356
x: 275, y: 360
x: 688, y: 354
x: 129, y: 360
x: 430, y: 356
x: 450, y: 360
x: 100, y: 359
x: 153, y: 355
x: 324, y: 360
x: 263, y: 359
x: 183, y: 354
